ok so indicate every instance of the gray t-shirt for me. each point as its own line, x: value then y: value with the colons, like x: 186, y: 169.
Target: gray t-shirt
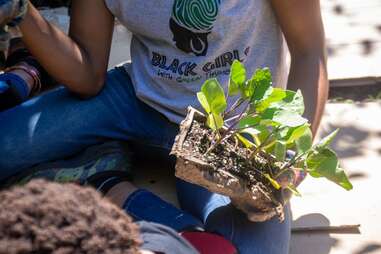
x: 178, y: 44
x: 161, y: 239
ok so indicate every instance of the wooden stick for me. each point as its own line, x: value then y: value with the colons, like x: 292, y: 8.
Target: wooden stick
x: 343, y: 229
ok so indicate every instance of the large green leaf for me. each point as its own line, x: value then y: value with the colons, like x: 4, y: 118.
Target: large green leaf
x: 256, y: 130
x: 284, y: 117
x: 247, y: 90
x: 304, y: 142
x: 261, y: 81
x: 249, y: 121
x: 237, y: 78
x: 275, y: 95
x: 291, y: 134
x: 289, y: 118
x: 259, y: 133
x: 214, y: 96
x: 297, y: 132
x: 204, y: 102
x: 324, y: 163
x: 215, y: 121
x: 293, y: 101
x: 280, y: 150
x: 325, y: 142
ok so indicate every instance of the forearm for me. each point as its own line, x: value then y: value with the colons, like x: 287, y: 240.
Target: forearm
x: 59, y: 54
x: 309, y: 74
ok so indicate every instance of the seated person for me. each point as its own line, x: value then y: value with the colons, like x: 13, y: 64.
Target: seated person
x: 145, y: 101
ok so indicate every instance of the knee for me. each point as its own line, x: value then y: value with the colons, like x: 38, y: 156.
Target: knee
x: 270, y: 237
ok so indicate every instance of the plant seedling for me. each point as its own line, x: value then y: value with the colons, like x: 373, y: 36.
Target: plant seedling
x: 268, y: 121
x: 254, y: 150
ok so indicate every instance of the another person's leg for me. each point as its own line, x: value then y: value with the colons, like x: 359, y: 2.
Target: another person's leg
x: 143, y: 205
x: 57, y: 124
x: 219, y: 216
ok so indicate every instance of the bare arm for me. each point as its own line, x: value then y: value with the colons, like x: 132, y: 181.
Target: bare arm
x: 79, y: 61
x: 302, y: 26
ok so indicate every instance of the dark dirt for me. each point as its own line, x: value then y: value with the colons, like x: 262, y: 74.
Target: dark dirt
x: 230, y: 156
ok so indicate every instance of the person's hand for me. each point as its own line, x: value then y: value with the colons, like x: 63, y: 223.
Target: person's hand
x: 13, y: 90
x: 288, y: 181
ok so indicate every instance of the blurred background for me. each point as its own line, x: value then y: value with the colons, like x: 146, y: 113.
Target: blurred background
x: 353, y: 31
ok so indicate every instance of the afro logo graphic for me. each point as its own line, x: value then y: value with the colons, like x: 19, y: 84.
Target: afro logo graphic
x: 191, y: 23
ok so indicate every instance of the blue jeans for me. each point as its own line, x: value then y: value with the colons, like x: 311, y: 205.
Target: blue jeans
x: 58, y: 124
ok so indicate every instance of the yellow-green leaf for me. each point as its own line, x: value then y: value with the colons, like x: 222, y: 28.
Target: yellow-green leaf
x: 279, y: 150
x: 214, y: 95
x: 245, y: 141
x: 294, y: 191
x: 204, y: 102
x: 273, y: 182
x: 324, y: 163
x: 237, y: 77
x: 215, y: 121
x: 297, y: 132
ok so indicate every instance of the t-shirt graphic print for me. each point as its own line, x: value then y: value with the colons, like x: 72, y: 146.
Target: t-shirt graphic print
x: 191, y: 23
x: 178, y: 44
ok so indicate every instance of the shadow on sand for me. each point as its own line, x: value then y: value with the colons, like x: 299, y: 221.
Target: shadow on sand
x: 316, y: 243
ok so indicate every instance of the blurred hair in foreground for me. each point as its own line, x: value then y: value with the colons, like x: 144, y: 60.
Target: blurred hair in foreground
x: 43, y: 217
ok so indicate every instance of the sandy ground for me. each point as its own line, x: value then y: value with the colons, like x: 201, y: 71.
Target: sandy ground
x: 353, y: 32
x: 358, y: 145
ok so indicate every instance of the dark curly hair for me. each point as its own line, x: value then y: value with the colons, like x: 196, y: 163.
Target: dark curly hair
x: 43, y: 218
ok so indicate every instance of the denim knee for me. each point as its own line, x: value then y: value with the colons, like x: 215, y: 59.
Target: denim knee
x: 270, y: 237
x: 10, y: 156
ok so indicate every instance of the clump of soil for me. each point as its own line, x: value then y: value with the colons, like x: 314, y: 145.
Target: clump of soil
x: 230, y: 156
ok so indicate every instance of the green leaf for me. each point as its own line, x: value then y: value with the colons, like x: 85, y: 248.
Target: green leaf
x: 284, y: 117
x: 325, y: 158
x: 252, y: 130
x: 249, y: 121
x: 237, y: 77
x: 280, y: 150
x: 325, y: 142
x: 304, y: 143
x: 294, y: 191
x: 247, y: 90
x: 215, y: 121
x: 289, y: 118
x: 276, y: 95
x: 204, y: 102
x: 272, y: 181
x: 296, y: 133
x: 259, y: 133
x: 261, y: 81
x: 214, y: 96
x: 324, y: 163
x: 293, y: 101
